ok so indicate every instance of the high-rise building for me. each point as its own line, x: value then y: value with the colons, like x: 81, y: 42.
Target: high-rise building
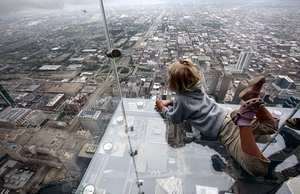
x: 215, y: 80
x: 242, y: 85
x: 284, y: 82
x: 244, y: 61
x: 53, y: 147
x: 224, y: 86
x: 146, y: 88
x: 5, y: 99
x: 292, y: 102
x: 15, y: 151
x: 35, y: 117
x: 70, y: 161
x: 90, y: 120
x: 104, y: 104
x: 12, y: 117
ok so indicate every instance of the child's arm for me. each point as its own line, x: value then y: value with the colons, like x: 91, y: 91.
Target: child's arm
x: 176, y: 114
x: 159, y: 105
x: 169, y: 103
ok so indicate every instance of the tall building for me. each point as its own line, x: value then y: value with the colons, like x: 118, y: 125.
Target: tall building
x: 146, y: 88
x: 104, y: 104
x: 224, y: 86
x: 284, y: 82
x: 292, y: 102
x: 215, y: 80
x: 242, y: 85
x: 35, y: 117
x: 15, y: 151
x: 5, y: 99
x: 13, y: 117
x: 84, y: 134
x: 90, y: 120
x: 70, y: 161
x: 53, y: 147
x: 244, y: 61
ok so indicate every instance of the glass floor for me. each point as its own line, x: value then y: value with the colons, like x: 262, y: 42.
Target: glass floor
x: 151, y: 156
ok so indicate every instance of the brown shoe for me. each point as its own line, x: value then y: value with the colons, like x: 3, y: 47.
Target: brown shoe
x: 293, y: 123
x: 253, y: 89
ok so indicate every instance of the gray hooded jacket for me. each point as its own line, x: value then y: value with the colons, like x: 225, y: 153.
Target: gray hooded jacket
x: 201, y: 111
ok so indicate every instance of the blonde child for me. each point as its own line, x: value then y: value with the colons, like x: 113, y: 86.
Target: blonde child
x: 235, y: 128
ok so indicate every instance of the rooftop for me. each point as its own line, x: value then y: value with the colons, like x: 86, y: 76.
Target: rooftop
x: 90, y: 113
x: 13, y: 114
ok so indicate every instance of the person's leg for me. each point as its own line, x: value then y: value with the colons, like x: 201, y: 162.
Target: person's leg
x: 253, y: 89
x: 264, y: 123
x: 230, y: 136
x: 248, y: 143
x: 243, y: 118
x: 264, y: 114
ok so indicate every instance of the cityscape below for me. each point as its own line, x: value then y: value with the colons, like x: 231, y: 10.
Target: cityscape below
x: 74, y: 118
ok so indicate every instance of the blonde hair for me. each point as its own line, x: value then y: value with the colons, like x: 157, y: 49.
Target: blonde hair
x: 183, y: 76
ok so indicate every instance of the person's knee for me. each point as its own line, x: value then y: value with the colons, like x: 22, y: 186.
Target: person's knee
x: 265, y: 127
x: 256, y: 172
x: 255, y: 166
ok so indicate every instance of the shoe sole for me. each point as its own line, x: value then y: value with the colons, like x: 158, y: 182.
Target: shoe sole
x: 253, y: 88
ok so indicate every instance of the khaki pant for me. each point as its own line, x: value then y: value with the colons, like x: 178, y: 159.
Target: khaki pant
x: 229, y: 135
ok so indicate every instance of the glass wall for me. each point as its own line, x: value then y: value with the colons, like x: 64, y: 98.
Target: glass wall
x: 143, y: 153
x: 92, y: 70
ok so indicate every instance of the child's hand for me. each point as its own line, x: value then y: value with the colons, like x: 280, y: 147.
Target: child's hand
x: 169, y: 103
x: 159, y: 104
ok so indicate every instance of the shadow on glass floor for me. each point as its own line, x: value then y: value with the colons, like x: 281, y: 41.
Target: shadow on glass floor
x: 283, y: 152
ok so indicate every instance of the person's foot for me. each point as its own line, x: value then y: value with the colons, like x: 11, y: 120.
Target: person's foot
x: 253, y: 89
x: 245, y: 114
x: 293, y: 123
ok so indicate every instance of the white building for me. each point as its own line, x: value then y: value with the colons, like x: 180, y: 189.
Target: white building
x: 49, y: 67
x: 244, y: 61
x: 13, y: 117
x: 90, y: 120
x: 36, y: 117
x: 168, y: 186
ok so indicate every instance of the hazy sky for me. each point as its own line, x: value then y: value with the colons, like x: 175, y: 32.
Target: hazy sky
x: 10, y: 6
